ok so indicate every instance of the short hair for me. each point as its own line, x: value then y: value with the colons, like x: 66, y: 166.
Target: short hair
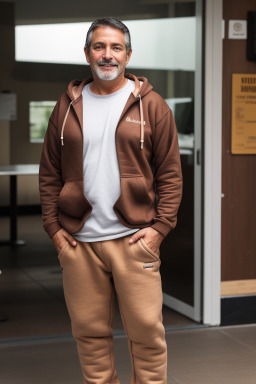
x: 111, y: 22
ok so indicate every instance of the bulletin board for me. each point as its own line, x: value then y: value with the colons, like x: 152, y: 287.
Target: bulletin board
x: 243, y: 126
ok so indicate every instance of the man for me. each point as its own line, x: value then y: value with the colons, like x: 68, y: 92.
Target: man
x: 110, y: 186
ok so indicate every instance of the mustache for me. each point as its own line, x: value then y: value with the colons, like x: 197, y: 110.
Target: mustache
x: 107, y: 62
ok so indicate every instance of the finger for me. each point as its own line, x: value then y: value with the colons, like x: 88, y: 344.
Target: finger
x: 70, y: 238
x: 58, y: 239
x: 137, y: 235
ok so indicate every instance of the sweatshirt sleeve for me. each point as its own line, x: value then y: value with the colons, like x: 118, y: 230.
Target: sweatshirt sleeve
x: 168, y: 174
x: 50, y: 179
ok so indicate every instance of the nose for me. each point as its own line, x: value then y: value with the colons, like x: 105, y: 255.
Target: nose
x: 107, y: 54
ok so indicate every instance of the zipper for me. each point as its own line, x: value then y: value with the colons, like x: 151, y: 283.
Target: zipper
x: 122, y: 114
x: 82, y: 131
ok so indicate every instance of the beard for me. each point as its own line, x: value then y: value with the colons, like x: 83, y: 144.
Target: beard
x: 107, y: 75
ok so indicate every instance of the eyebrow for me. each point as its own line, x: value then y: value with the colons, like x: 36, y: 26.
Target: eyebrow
x: 113, y: 44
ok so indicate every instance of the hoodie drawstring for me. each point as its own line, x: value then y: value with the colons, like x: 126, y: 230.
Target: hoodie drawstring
x: 141, y: 124
x: 63, y: 124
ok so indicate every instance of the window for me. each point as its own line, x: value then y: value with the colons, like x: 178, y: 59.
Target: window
x: 63, y: 43
x: 39, y: 114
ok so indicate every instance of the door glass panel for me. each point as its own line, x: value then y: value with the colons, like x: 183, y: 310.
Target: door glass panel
x: 177, y: 87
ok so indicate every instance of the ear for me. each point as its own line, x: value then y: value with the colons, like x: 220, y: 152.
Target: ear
x: 86, y: 52
x: 128, y: 57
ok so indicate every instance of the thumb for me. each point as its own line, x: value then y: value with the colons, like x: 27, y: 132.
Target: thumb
x: 137, y: 235
x: 70, y: 238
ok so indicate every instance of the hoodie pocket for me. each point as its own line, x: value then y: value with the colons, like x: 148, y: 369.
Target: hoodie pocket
x: 72, y: 201
x: 134, y: 204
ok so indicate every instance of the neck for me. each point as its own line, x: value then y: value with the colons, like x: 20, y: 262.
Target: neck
x: 103, y: 87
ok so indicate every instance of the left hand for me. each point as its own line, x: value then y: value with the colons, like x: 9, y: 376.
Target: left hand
x: 151, y: 236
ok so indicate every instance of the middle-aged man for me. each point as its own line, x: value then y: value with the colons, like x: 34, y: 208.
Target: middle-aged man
x: 111, y: 186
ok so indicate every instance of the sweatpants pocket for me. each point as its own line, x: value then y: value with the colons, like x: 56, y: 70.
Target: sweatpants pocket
x: 63, y: 249
x: 149, y: 250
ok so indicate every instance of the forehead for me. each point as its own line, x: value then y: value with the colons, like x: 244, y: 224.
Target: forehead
x: 107, y: 33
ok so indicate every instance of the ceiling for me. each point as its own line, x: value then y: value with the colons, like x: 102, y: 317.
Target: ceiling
x: 56, y: 11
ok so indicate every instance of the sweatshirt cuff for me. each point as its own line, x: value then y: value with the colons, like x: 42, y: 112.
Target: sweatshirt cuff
x: 161, y: 228
x: 52, y: 228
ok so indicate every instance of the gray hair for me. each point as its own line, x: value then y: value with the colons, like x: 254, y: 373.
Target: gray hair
x: 111, y: 22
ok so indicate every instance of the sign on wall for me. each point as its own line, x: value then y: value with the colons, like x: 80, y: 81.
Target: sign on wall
x: 8, y: 108
x: 237, y: 29
x: 243, y: 131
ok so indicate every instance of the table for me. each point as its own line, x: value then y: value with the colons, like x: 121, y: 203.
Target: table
x: 13, y: 171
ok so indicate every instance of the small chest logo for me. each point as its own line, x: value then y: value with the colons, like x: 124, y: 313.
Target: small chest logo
x: 134, y: 121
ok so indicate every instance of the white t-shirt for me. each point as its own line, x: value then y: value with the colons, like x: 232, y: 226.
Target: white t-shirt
x: 100, y: 164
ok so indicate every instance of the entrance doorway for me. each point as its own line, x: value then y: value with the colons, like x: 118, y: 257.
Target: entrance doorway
x: 168, y: 52
x: 177, y: 76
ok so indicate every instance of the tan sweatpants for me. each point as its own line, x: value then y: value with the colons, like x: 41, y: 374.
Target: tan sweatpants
x: 88, y: 288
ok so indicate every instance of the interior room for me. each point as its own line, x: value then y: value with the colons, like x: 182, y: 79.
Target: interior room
x: 37, y: 66
x: 192, y: 57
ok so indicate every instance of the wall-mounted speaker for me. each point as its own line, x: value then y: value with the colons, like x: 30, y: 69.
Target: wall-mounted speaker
x: 251, y: 36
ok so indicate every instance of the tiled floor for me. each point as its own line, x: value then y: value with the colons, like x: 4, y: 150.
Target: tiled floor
x: 203, y: 356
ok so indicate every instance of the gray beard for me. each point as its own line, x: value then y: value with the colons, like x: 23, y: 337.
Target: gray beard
x: 107, y: 76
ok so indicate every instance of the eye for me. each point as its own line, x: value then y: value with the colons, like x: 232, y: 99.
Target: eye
x: 117, y: 49
x: 97, y: 47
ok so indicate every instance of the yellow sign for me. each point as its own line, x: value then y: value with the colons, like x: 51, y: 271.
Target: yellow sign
x: 243, y: 137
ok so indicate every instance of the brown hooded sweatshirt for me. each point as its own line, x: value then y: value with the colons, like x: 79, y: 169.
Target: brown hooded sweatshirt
x: 148, y: 157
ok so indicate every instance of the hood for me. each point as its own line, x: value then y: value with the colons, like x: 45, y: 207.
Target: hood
x: 141, y: 88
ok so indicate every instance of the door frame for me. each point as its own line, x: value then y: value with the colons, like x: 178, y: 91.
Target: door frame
x: 195, y: 312
x: 207, y: 222
x: 212, y: 162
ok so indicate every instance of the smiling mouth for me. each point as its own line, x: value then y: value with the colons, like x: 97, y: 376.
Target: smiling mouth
x: 107, y: 65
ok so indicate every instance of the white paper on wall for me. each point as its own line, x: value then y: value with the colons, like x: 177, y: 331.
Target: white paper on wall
x: 8, y: 107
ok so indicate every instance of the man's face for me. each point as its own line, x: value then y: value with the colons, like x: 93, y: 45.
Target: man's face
x: 107, y: 55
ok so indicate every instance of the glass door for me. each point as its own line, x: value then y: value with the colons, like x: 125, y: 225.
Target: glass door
x: 168, y: 51
x: 181, y: 250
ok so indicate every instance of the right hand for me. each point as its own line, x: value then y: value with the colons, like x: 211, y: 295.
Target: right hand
x: 61, y: 237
